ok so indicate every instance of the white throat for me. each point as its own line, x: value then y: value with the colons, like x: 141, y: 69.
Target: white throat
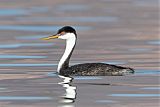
x: 70, y: 43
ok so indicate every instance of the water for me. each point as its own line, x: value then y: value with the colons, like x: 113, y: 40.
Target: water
x: 19, y: 45
x: 20, y: 56
x: 31, y: 37
x: 135, y: 95
x: 144, y: 71
x: 37, y: 28
x: 75, y: 7
x: 110, y: 31
x: 23, y: 98
x: 73, y: 19
x: 25, y: 65
x: 12, y: 12
x: 154, y: 42
x: 105, y: 101
x: 22, y: 11
x: 151, y: 88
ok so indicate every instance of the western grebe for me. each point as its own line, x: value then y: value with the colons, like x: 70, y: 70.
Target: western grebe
x: 87, y: 69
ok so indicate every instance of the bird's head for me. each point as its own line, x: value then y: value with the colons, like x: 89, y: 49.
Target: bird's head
x: 65, y: 32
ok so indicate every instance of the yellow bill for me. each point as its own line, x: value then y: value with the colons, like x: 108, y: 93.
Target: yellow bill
x: 50, y: 37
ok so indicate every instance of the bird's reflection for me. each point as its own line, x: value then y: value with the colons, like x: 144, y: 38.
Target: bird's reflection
x: 70, y: 91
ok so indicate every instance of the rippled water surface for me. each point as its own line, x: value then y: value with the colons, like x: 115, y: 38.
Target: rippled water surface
x: 121, y: 32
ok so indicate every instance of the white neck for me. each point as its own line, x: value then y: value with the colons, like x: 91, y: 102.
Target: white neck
x: 70, y: 43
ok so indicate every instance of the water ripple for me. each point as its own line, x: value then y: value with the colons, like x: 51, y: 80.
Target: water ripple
x: 145, y: 71
x: 73, y: 7
x: 24, y: 98
x: 105, y: 101
x: 115, y: 62
x: 151, y: 88
x: 20, y: 56
x: 22, y: 11
x: 26, y: 65
x: 72, y: 19
x: 135, y: 95
x: 38, y: 28
x: 31, y: 37
x: 4, y: 46
x: 52, y: 74
x: 11, y: 12
x: 87, y: 78
x: 154, y: 42
x: 139, y: 50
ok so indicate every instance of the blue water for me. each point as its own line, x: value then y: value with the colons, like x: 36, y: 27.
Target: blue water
x: 52, y: 74
x: 154, y: 42
x: 87, y: 78
x: 140, y: 50
x: 38, y: 28
x: 2, y: 88
x: 18, y: 45
x: 115, y: 62
x: 27, y: 65
x: 135, y: 95
x: 145, y: 2
x: 145, y: 71
x: 31, y: 37
x: 22, y: 11
x: 72, y: 19
x: 151, y: 88
x: 20, y: 56
x: 24, y: 98
x: 88, y: 19
x: 39, y: 18
x: 13, y: 12
x: 105, y: 101
x: 38, y: 9
x: 73, y: 7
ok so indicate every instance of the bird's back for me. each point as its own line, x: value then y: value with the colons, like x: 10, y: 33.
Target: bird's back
x: 96, y: 69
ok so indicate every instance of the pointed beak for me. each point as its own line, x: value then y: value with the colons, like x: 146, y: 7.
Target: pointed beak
x: 50, y: 37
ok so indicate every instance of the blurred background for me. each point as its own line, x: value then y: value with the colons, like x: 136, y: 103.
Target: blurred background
x: 122, y: 32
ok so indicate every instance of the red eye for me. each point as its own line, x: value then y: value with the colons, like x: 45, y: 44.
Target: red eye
x: 62, y: 33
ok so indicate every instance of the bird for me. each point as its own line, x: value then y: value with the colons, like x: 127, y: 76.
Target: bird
x: 69, y: 34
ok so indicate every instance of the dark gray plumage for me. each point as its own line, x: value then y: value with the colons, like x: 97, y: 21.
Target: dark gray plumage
x: 96, y: 69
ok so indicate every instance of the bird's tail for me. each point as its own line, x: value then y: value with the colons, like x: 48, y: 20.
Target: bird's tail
x: 127, y: 71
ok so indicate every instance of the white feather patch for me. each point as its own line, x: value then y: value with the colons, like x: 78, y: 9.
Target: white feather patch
x: 70, y: 42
